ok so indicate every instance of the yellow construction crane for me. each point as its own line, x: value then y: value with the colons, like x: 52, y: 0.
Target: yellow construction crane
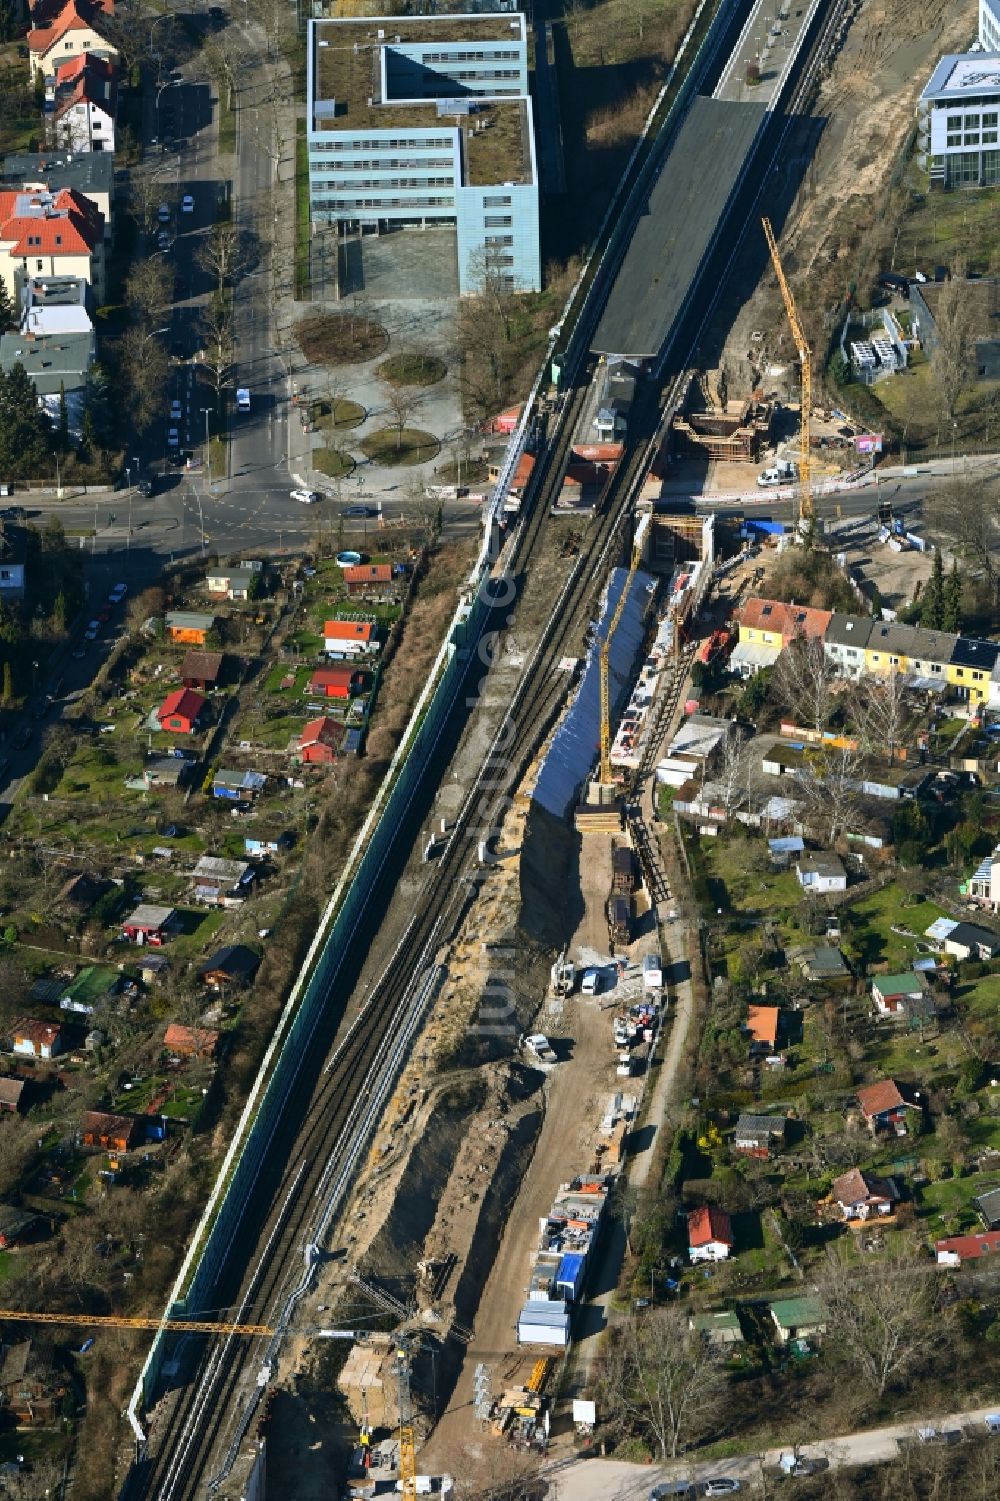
x: 806, y: 511
x: 637, y: 546
x: 181, y: 1326
x: 407, y: 1444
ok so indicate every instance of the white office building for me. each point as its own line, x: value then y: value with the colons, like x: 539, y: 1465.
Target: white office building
x: 989, y: 25
x: 958, y: 121
x: 417, y: 121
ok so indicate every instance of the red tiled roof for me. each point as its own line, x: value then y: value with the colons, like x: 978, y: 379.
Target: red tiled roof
x: 75, y: 15
x: 790, y: 620
x: 63, y: 223
x: 183, y: 702
x: 369, y: 573
x: 39, y: 1033
x: 856, y: 1187
x: 87, y: 62
x: 706, y: 1224
x: 334, y: 677
x: 875, y: 1099
x: 970, y: 1247
x: 762, y: 1023
x: 190, y: 1039
x: 322, y: 731
x: 349, y: 630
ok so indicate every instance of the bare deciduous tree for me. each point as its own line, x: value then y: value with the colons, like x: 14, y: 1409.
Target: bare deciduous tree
x: 146, y: 368
x: 830, y: 785
x: 224, y: 254
x: 881, y: 1313
x: 804, y: 681
x: 148, y: 287
x: 879, y: 712
x: 402, y: 401
x: 660, y: 1381
x: 217, y: 331
x: 953, y: 327
x: 968, y: 513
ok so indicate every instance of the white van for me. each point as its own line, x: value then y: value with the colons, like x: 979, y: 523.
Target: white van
x: 591, y: 982
x: 781, y: 473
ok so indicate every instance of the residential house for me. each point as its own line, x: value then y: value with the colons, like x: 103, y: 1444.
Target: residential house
x: 822, y: 964
x: 721, y: 1327
x: 892, y: 993
x: 232, y: 583
x: 222, y: 883
x: 59, y: 365
x: 56, y: 234
x: 984, y: 884
x: 336, y: 682
x: 759, y: 1135
x: 844, y: 644
x: 258, y: 845
x: 963, y: 940
x: 13, y: 561
x: 12, y: 1094
x: 970, y: 668
x: 230, y: 967
x: 92, y: 174
x: 767, y: 626
x: 884, y: 1105
x: 84, y: 105
x: 710, y: 1234
x: 149, y: 924
x: 114, y: 1133
x: 763, y: 1025
x: 188, y: 627
x: 35, y: 1039
x: 954, y: 1249
x: 160, y: 771
x: 181, y: 711
x: 782, y: 849
x: 29, y: 1391
x: 17, y: 1226
x: 350, y: 638
x: 152, y: 967
x: 320, y: 741
x: 821, y: 871
x: 191, y: 1042
x: 375, y: 579
x: 797, y: 1318
x: 238, y: 786
x: 75, y: 30
x: 202, y: 670
x: 862, y: 1196
x: 988, y: 1207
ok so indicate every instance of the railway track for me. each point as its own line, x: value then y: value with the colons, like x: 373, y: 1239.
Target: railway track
x: 316, y: 1146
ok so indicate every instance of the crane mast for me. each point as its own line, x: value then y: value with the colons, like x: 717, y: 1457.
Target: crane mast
x: 806, y: 510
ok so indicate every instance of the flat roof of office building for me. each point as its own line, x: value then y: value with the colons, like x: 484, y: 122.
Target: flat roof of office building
x: 672, y: 238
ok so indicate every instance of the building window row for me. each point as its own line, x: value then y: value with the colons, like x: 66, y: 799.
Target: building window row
x: 497, y: 200
x: 498, y: 221
x: 498, y: 55
x: 395, y: 163
x: 333, y: 185
x: 391, y: 143
x: 341, y: 205
x: 499, y: 239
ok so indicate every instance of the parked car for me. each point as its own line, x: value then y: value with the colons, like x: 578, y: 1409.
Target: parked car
x: 722, y: 1485
x: 173, y: 437
x: 163, y: 213
x: 93, y: 631
x: 118, y: 593
x: 187, y: 204
x: 176, y: 411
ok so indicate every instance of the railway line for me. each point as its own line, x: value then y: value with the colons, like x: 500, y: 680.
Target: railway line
x: 319, y: 1144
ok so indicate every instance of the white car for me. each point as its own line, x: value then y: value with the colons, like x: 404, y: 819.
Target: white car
x: 117, y: 594
x: 187, y: 204
x: 723, y: 1486
x: 93, y: 631
x: 307, y: 497
x: 243, y: 399
x: 163, y: 213
x: 176, y: 411
x: 173, y: 437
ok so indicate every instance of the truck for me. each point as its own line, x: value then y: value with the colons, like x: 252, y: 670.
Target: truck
x: 652, y: 972
x: 780, y: 473
x: 539, y: 1044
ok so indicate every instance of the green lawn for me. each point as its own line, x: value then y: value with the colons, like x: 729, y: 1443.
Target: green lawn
x: 873, y: 917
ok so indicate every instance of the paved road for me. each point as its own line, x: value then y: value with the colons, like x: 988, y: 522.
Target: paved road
x: 612, y: 1480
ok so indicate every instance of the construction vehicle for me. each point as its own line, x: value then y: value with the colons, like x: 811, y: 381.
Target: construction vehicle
x: 562, y: 977
x: 806, y: 507
x: 605, y: 784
